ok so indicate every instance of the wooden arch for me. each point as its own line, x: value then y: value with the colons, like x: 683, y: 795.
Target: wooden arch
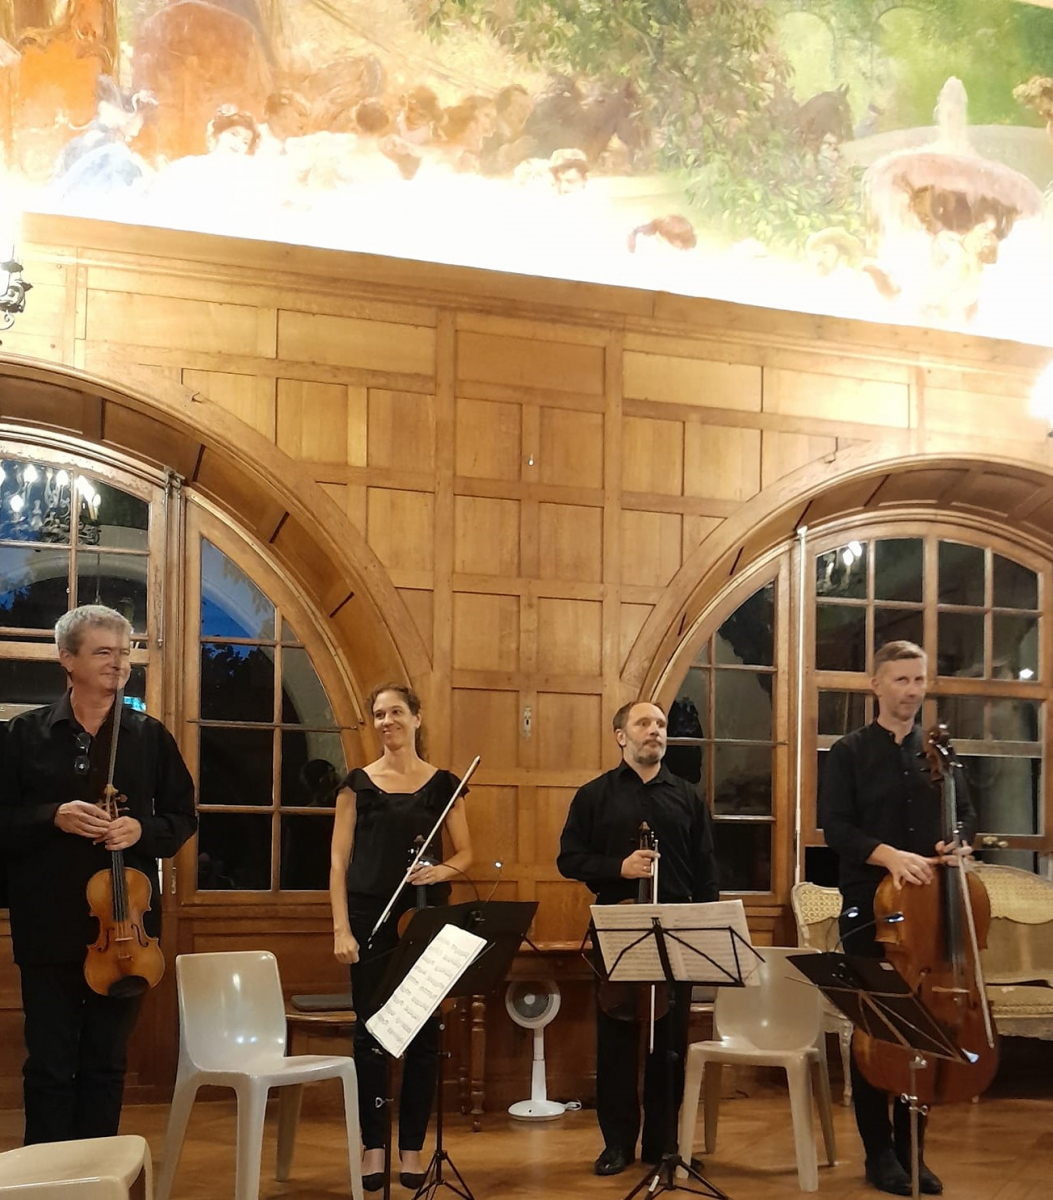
x: 864, y: 479
x: 153, y: 420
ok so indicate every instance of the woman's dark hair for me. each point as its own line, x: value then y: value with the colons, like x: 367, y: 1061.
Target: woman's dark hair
x: 412, y: 703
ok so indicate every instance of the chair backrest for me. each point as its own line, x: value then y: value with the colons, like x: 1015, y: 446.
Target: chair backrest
x: 230, y: 1008
x: 816, y: 909
x: 782, y: 1012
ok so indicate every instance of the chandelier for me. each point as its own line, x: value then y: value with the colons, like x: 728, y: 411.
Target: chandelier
x: 13, y: 287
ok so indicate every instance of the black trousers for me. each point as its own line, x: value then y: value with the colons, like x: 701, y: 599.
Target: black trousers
x: 76, y: 1044
x: 618, y: 1049
x: 421, y: 1062
x: 870, y: 1103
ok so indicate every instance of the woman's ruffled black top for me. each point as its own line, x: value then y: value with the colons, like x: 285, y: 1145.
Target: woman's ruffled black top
x: 386, y: 824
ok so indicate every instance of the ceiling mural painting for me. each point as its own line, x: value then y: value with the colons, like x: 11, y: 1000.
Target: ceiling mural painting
x: 888, y: 161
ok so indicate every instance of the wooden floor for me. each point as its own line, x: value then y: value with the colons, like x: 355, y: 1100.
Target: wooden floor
x: 999, y: 1149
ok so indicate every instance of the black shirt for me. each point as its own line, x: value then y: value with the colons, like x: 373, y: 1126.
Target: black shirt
x: 48, y: 869
x: 602, y: 830
x: 873, y: 791
x: 386, y: 824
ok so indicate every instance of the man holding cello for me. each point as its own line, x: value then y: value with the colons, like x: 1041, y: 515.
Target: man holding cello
x: 56, y: 837
x: 599, y: 846
x: 880, y: 812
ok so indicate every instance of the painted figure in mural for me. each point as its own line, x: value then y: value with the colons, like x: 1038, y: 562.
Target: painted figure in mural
x: 232, y: 131
x: 100, y: 161
x: 380, y: 810
x: 599, y: 847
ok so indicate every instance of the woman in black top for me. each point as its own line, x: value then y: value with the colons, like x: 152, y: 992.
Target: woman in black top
x: 379, y: 811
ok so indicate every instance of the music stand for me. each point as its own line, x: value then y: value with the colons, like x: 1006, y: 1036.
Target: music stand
x: 503, y: 924
x: 876, y: 998
x: 671, y: 943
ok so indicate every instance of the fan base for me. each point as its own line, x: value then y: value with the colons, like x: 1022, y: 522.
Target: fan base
x: 537, y: 1110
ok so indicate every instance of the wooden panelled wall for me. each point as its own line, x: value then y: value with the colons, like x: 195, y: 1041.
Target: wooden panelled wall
x: 532, y: 463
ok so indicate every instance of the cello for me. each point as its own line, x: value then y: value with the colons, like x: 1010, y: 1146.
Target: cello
x: 124, y: 960
x: 932, y: 934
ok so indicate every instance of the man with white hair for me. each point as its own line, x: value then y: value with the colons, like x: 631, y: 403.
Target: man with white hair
x: 55, y: 837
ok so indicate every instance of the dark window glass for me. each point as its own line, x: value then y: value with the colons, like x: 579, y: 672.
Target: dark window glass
x: 963, y: 716
x: 135, y: 688
x: 1014, y: 654
x: 30, y: 681
x: 743, y: 856
x: 234, y: 852
x: 702, y: 657
x: 841, y: 712
x: 110, y: 517
x: 742, y: 705
x: 742, y: 780
x: 34, y: 586
x: 304, y: 701
x: 237, y: 766
x: 842, y: 573
x: 897, y: 569
x: 1006, y: 793
x: 688, y: 714
x: 237, y: 683
x: 748, y: 635
x: 840, y: 637
x: 1014, y: 720
x: 116, y: 580
x: 960, y: 644
x: 288, y: 634
x: 305, y: 852
x: 313, y: 768
x: 1015, y: 586
x: 231, y: 604
x: 896, y: 624
x: 686, y: 761
x: 961, y: 574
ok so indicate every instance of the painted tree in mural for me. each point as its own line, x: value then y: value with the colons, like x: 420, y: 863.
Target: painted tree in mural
x: 715, y: 92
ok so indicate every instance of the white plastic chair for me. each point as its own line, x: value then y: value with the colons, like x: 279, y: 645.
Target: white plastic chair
x: 816, y: 909
x: 232, y: 1034
x: 774, y: 1024
x: 114, y: 1168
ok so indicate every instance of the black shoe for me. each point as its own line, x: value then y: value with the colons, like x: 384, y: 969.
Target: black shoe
x: 887, y: 1175
x: 928, y: 1183
x: 613, y: 1161
x: 374, y: 1182
x: 412, y: 1179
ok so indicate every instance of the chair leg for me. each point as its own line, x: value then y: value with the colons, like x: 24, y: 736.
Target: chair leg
x: 178, y: 1117
x: 844, y: 1038
x: 689, y: 1107
x: 290, y: 1098
x: 143, y: 1188
x: 252, y: 1108
x: 826, y: 1113
x: 354, y: 1134
x: 797, y: 1076
x: 711, y: 1083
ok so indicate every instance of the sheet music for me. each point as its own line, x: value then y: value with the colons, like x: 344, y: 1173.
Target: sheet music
x: 447, y: 957
x: 703, y: 927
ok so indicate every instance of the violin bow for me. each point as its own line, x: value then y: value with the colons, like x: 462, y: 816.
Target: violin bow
x: 427, y: 842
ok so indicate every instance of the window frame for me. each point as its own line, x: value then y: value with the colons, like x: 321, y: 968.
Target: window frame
x: 932, y: 530
x: 204, y: 520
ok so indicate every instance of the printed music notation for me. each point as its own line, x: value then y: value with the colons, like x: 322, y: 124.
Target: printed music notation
x: 706, y: 943
x: 448, y: 955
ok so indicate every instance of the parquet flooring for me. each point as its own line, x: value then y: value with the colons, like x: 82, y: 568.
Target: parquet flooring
x: 999, y: 1149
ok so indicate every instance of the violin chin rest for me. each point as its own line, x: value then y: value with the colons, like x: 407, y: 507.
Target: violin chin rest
x: 128, y: 987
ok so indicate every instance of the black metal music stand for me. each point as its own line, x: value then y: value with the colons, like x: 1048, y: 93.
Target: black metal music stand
x: 503, y: 924
x: 711, y: 954
x: 876, y: 998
